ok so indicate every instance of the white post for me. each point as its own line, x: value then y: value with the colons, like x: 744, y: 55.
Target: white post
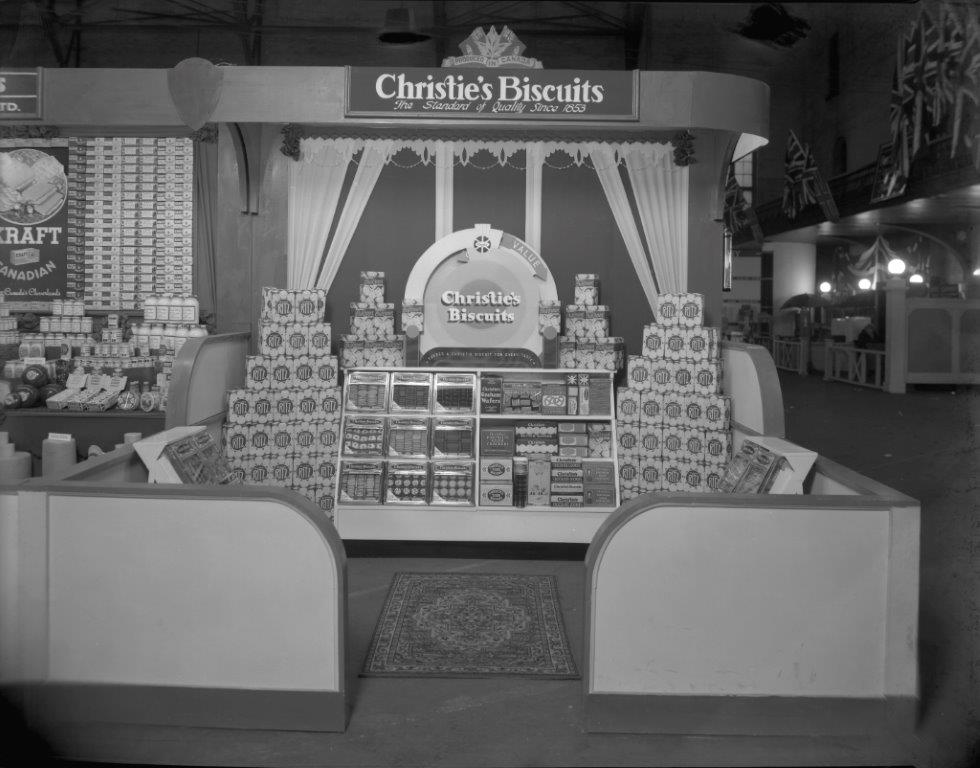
x: 896, y: 335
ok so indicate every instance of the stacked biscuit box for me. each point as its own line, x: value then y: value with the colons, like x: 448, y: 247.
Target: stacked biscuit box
x: 283, y: 428
x: 586, y: 344
x: 372, y: 341
x: 672, y: 420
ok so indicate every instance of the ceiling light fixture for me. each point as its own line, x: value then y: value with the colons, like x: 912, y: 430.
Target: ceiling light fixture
x: 400, y: 29
x: 896, y: 267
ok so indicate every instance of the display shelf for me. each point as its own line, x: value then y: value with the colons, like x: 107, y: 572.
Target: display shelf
x: 453, y: 523
x: 372, y: 519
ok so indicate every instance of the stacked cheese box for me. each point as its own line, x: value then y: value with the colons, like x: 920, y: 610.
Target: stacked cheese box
x: 135, y: 205
x: 673, y: 423
x: 283, y: 428
x: 586, y: 343
x: 372, y: 341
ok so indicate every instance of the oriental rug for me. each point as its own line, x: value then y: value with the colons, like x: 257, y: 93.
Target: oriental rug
x: 471, y: 625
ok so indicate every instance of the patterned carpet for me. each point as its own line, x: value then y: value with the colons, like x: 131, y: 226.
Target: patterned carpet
x: 471, y: 625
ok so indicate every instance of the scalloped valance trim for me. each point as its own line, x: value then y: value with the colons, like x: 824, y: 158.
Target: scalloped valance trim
x: 500, y: 141
x: 335, y: 151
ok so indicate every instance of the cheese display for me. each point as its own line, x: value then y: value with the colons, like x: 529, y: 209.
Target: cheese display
x: 673, y: 423
x: 284, y: 428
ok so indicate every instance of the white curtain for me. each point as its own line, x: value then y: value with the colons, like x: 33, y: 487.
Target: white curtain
x: 444, y: 189
x: 534, y: 165
x: 315, y: 183
x: 660, y: 188
x: 376, y: 154
x: 606, y: 166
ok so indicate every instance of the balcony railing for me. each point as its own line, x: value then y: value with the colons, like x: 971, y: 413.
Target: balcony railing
x: 933, y: 172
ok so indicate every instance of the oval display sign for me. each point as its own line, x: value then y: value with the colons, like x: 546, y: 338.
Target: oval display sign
x: 480, y: 289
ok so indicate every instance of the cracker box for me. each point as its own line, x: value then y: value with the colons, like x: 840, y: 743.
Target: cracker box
x: 627, y: 437
x: 567, y: 353
x: 693, y: 445
x: 272, y: 337
x: 408, y: 437
x: 672, y: 475
x: 717, y: 445
x: 701, y: 344
x: 586, y: 290
x: 651, y: 442
x: 325, y: 371
x: 639, y: 371
x: 372, y: 289
x: 330, y: 399
x: 263, y: 408
x: 661, y: 375
x: 549, y: 317
x: 713, y: 474
x: 407, y: 483
x: 305, y: 437
x: 629, y: 475
x: 496, y: 494
x: 675, y: 343
x: 673, y: 443
x: 707, y: 378
x: 296, y: 342
x: 684, y: 309
x: 650, y: 476
x: 693, y: 478
x: 327, y: 436
x: 539, y: 482
x: 496, y: 470
x: 681, y: 375
x: 302, y: 371
x: 257, y: 372
x: 652, y: 408
x: 599, y: 440
x: 413, y: 316
x: 281, y: 372
x: 673, y: 409
x: 452, y: 482
x: 239, y: 406
x: 235, y: 440
x: 709, y: 411
x: 654, y: 339
x: 278, y: 305
x: 361, y: 482
x: 259, y: 438
x: 309, y: 305
x: 319, y: 337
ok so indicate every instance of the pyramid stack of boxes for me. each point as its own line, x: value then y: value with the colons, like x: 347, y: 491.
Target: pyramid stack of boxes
x: 283, y: 428
x: 586, y: 344
x: 372, y: 341
x: 673, y: 423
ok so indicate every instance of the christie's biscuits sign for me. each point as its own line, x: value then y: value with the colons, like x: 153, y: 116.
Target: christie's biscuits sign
x: 516, y: 94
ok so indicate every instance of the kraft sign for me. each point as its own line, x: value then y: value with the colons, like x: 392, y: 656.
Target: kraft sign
x: 20, y: 94
x: 524, y: 94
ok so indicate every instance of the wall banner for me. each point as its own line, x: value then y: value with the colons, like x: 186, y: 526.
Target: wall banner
x: 488, y: 94
x: 33, y: 224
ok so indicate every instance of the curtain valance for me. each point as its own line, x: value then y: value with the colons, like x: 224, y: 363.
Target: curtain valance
x: 330, y: 151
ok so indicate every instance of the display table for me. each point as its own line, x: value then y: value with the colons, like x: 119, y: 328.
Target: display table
x: 28, y: 428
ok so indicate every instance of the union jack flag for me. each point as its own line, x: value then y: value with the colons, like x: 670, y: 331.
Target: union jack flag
x: 798, y: 190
